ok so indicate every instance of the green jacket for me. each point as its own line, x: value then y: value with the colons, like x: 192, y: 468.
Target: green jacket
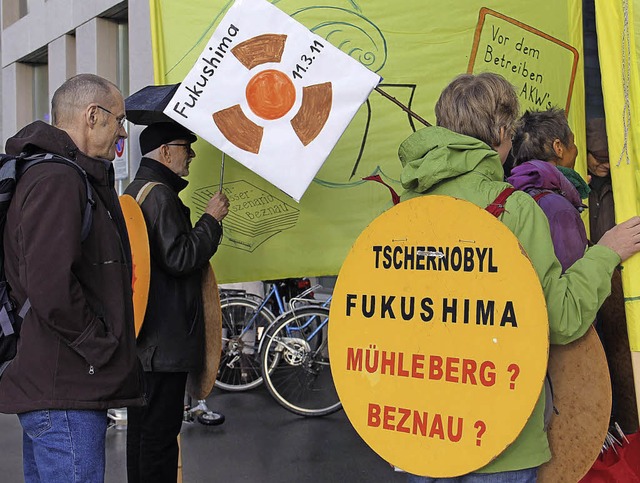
x: 440, y: 162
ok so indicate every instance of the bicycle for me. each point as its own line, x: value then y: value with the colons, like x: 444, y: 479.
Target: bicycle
x: 295, y: 362
x: 245, y: 317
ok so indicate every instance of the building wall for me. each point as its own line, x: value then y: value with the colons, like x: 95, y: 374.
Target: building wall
x: 44, y: 42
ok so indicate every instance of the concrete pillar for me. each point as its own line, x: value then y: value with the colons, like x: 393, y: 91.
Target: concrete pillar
x: 96, y: 48
x: 62, y: 62
x: 140, y: 49
x: 140, y: 68
x: 17, y: 98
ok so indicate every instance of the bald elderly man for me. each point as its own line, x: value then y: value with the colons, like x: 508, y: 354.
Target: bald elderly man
x: 76, y: 356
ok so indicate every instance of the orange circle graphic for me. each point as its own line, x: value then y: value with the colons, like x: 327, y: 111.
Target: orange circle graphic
x: 270, y: 94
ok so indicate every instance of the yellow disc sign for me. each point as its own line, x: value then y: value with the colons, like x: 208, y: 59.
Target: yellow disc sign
x: 438, y: 336
x: 141, y: 261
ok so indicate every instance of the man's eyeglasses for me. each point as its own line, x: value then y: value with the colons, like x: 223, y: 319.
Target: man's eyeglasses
x: 188, y: 145
x: 119, y: 120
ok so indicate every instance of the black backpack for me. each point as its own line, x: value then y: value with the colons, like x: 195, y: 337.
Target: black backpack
x: 11, y: 168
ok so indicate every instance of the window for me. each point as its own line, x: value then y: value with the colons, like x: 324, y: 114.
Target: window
x: 40, y: 89
x: 12, y: 11
x: 123, y: 58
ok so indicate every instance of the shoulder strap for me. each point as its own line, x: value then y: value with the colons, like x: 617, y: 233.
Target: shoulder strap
x: 541, y: 194
x: 87, y: 218
x: 497, y: 207
x: 16, y: 170
x: 145, y: 190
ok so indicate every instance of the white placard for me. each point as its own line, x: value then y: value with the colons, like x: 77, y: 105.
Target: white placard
x: 271, y: 94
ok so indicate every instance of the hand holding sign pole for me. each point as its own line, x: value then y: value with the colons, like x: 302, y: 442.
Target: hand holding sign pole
x: 221, y: 172
x: 271, y: 94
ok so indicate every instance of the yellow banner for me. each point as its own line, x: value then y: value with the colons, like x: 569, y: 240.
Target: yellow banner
x: 417, y: 47
x: 618, y: 28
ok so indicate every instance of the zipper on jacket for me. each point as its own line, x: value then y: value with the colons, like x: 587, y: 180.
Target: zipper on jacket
x: 113, y: 201
x: 92, y: 371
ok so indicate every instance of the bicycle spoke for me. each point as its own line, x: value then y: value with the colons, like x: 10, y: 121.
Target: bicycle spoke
x: 301, y: 381
x: 242, y: 323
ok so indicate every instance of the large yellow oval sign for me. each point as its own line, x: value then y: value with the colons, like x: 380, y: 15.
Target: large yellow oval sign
x: 438, y: 337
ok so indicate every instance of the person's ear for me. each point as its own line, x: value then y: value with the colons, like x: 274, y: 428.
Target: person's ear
x: 503, y: 134
x: 166, y: 153
x: 91, y: 115
x: 558, y: 147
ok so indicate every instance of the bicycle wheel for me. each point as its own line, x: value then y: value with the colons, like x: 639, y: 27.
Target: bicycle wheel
x: 301, y: 381
x: 243, y: 325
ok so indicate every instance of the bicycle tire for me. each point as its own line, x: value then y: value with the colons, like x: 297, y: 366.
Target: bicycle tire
x: 239, y: 368
x: 301, y: 381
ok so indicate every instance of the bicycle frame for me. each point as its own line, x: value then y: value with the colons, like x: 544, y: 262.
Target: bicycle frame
x: 327, y: 302
x: 246, y: 319
x: 274, y: 292
x: 293, y: 309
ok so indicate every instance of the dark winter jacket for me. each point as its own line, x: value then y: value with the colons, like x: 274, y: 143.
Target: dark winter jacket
x: 172, y: 334
x: 561, y: 203
x: 601, y: 207
x: 77, y: 345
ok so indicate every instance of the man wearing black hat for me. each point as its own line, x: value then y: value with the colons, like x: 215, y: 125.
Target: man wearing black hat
x: 171, y: 340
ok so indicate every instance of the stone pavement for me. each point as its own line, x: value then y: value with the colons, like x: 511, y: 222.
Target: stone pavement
x: 259, y: 442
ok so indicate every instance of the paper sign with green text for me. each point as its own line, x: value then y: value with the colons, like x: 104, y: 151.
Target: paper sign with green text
x: 542, y: 68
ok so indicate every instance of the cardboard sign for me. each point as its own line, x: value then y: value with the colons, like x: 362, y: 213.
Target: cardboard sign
x: 439, y: 336
x: 271, y: 94
x: 200, y: 381
x: 582, y: 397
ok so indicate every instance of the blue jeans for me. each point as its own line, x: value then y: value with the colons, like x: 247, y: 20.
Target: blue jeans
x: 520, y: 476
x: 63, y: 446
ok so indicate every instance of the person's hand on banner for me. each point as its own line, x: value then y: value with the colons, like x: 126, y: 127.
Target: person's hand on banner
x: 218, y: 206
x: 624, y: 238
